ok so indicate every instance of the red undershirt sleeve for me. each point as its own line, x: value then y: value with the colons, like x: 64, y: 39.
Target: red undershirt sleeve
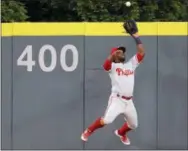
x: 107, y: 65
x: 139, y: 57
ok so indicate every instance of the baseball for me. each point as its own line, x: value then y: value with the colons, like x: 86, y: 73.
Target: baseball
x: 128, y: 4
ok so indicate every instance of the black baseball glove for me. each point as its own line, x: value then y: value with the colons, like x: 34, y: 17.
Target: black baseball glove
x: 130, y: 27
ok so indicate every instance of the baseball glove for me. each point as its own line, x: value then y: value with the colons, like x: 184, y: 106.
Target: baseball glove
x: 130, y: 27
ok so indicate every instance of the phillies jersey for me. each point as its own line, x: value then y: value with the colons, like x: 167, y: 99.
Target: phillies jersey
x: 122, y: 75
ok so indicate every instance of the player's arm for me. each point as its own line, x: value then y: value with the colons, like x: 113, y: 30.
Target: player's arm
x: 130, y: 27
x: 108, y: 62
x: 140, y: 49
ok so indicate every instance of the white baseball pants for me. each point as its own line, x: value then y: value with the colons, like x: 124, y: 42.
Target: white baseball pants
x: 117, y: 106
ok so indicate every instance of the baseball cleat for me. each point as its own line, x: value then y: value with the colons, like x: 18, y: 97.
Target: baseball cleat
x: 124, y: 139
x: 85, y: 135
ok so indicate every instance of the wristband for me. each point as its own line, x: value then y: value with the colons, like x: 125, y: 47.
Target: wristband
x: 137, y: 40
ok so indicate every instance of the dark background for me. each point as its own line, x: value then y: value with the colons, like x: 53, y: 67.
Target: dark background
x: 93, y: 10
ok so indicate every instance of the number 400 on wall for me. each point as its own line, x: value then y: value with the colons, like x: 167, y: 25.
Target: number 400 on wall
x: 29, y: 62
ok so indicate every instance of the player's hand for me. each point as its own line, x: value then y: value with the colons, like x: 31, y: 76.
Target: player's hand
x: 116, y: 53
x: 130, y: 27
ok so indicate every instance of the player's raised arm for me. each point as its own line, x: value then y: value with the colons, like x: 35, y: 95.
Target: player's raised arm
x: 140, y: 48
x: 131, y: 28
x: 108, y: 62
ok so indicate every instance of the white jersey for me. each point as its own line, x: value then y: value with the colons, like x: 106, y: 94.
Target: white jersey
x: 122, y: 77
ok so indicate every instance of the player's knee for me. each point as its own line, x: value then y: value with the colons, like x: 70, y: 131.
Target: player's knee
x: 107, y: 121
x: 133, y: 125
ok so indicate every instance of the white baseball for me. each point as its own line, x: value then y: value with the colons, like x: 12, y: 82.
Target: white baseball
x: 128, y: 4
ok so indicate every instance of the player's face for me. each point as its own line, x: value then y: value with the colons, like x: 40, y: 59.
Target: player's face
x: 120, y: 56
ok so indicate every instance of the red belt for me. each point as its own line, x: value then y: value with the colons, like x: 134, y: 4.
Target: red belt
x: 125, y: 97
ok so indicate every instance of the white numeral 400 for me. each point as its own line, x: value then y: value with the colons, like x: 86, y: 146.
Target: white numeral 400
x: 29, y: 62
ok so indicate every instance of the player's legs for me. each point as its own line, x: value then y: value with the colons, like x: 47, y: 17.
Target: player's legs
x: 130, y: 124
x: 100, y: 121
x: 131, y: 118
x: 114, y: 108
x: 131, y: 115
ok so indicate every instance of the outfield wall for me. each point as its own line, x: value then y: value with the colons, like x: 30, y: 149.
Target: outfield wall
x: 53, y: 85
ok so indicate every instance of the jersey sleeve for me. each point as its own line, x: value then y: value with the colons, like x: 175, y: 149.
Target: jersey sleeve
x: 136, y: 60
x: 108, y: 65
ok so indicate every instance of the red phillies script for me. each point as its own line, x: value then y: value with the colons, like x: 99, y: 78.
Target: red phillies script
x: 121, y: 72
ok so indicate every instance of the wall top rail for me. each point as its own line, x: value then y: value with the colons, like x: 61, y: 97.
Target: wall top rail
x: 92, y: 29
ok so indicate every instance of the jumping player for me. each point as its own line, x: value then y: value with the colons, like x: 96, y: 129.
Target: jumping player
x: 122, y: 81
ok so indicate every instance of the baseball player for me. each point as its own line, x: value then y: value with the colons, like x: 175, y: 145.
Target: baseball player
x: 122, y: 81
